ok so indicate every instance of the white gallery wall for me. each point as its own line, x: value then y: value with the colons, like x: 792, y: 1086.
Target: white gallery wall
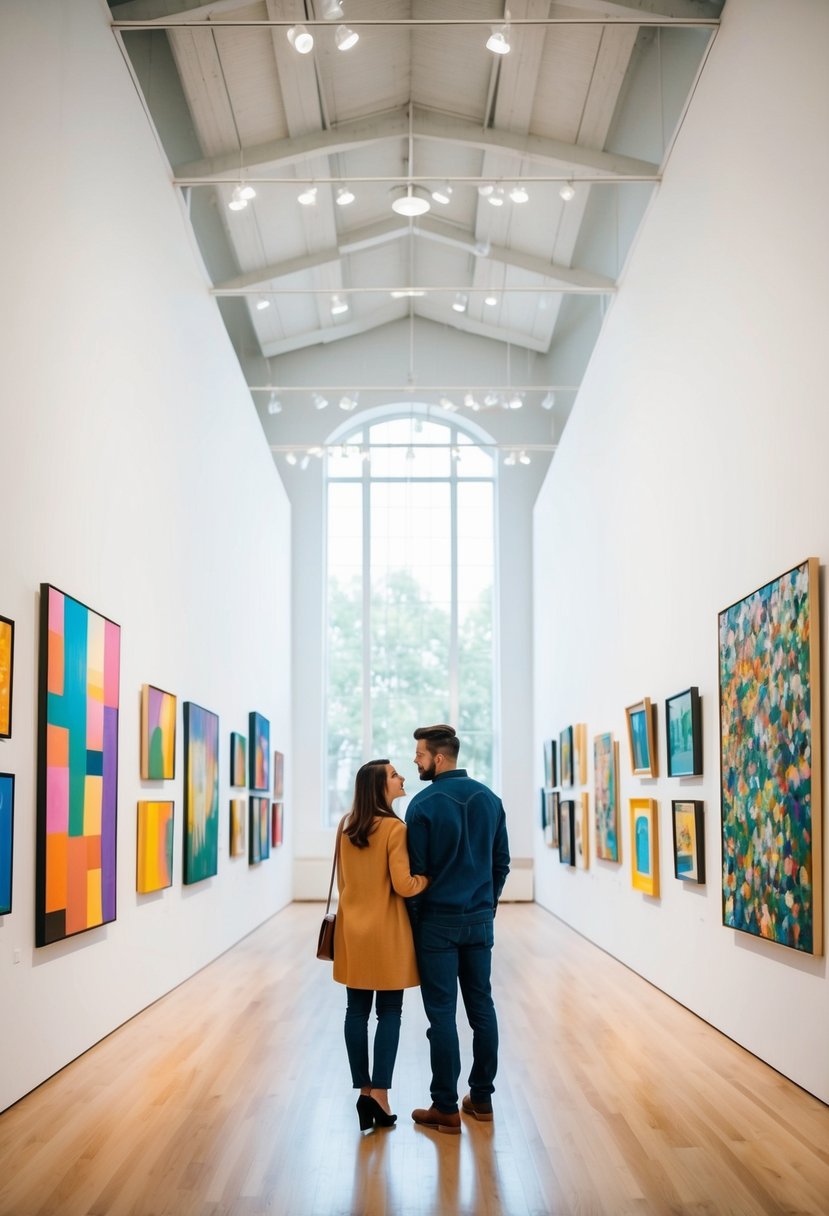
x: 135, y: 477
x: 692, y: 471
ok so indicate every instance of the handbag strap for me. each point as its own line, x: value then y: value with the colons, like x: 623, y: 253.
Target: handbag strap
x: 334, y: 862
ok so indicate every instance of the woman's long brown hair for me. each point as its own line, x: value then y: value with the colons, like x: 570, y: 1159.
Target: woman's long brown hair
x: 369, y: 803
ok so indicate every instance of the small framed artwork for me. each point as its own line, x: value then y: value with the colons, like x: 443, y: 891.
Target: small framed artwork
x: 683, y: 732
x: 644, y: 845
x: 565, y: 749
x: 550, y: 765
x: 580, y: 754
x: 689, y: 841
x: 201, y: 793
x: 6, y: 841
x: 6, y: 674
x: 154, y: 852
x: 259, y: 735
x: 543, y: 809
x: 567, y: 832
x: 554, y: 815
x: 237, y: 827
x: 277, y: 822
x: 581, y: 835
x: 606, y: 807
x: 238, y: 759
x: 642, y: 738
x: 278, y: 776
x: 259, y: 829
x: 158, y: 734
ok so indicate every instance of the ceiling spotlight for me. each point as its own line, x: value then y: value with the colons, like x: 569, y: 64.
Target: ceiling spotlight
x: 407, y: 293
x: 346, y: 38
x: 338, y: 306
x: 455, y: 453
x: 247, y: 192
x: 348, y: 403
x: 442, y: 194
x: 290, y: 458
x: 274, y: 404
x: 516, y: 400
x: 548, y: 401
x: 460, y: 302
x: 306, y: 460
x: 470, y: 402
x: 567, y: 192
x: 481, y: 249
x: 237, y: 200
x: 490, y: 300
x: 332, y: 10
x: 345, y: 196
x: 519, y: 194
x: 510, y: 458
x: 307, y: 196
x: 319, y: 401
x: 498, y: 40
x: 261, y: 305
x: 485, y: 189
x: 411, y: 203
x: 496, y: 198
x: 447, y: 403
x: 301, y: 39
x: 523, y: 458
x: 491, y: 398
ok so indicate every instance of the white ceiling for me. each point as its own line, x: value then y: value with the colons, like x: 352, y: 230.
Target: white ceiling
x: 262, y: 112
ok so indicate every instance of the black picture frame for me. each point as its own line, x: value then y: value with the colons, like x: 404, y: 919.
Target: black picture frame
x: 689, y: 847
x: 7, y: 854
x: 550, y: 764
x: 683, y: 733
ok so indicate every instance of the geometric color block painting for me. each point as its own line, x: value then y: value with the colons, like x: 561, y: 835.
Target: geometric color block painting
x: 278, y: 776
x: 6, y: 841
x: 238, y: 763
x: 644, y: 846
x: 154, y: 857
x: 77, y: 786
x: 158, y: 734
x: 606, y: 813
x: 259, y: 733
x: 689, y: 841
x: 6, y: 673
x: 259, y: 829
x: 277, y: 822
x: 770, y: 733
x: 201, y: 793
x: 238, y: 814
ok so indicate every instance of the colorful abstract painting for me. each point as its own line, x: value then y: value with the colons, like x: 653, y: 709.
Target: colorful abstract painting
x: 565, y: 755
x: 6, y: 674
x: 689, y: 841
x: 770, y: 733
x: 606, y: 811
x: 567, y: 832
x: 644, y: 846
x: 259, y: 829
x: 580, y: 753
x: 238, y: 759
x: 683, y: 730
x: 259, y: 733
x: 277, y: 823
x: 77, y: 788
x: 154, y: 852
x: 641, y: 722
x: 6, y: 841
x: 581, y: 835
x: 201, y: 793
x: 158, y: 734
x: 238, y: 814
x: 278, y: 776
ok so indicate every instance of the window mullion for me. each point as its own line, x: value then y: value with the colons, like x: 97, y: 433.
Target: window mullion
x: 454, y: 699
x: 367, y: 719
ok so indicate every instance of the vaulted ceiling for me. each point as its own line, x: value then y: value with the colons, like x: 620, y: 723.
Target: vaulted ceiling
x: 419, y: 103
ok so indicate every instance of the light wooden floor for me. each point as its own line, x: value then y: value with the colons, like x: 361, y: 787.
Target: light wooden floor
x: 231, y: 1096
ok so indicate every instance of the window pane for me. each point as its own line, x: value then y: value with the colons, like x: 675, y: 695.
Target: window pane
x: 474, y: 461
x: 346, y: 460
x: 345, y: 644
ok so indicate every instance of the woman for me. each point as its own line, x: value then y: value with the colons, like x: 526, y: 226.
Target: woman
x: 373, y: 947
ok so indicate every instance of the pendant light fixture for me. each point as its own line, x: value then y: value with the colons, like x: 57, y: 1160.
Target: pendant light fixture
x: 411, y: 203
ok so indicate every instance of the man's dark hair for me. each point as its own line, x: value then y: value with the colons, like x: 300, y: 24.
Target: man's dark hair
x: 440, y: 738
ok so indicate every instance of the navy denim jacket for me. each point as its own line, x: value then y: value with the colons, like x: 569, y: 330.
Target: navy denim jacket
x: 457, y: 834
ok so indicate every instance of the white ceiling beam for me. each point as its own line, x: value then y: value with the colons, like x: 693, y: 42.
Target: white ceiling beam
x: 468, y: 325
x: 171, y: 10
x: 427, y: 125
x: 333, y: 333
x: 680, y: 10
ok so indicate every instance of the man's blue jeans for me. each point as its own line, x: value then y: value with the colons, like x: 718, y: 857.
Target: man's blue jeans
x: 449, y: 955
x: 389, y: 1006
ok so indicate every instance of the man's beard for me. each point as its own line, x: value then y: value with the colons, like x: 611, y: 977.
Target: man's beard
x: 428, y: 774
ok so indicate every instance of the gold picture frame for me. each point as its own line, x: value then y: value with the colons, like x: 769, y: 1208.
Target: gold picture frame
x: 641, y: 723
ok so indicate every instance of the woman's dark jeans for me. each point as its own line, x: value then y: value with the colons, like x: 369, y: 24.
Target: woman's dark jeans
x: 389, y: 1010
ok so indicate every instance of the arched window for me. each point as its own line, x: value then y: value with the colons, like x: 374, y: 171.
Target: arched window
x: 410, y: 605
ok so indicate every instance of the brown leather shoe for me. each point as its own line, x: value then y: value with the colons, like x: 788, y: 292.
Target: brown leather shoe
x: 438, y: 1120
x: 482, y: 1111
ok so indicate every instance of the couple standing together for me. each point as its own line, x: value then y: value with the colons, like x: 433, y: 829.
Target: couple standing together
x: 417, y: 906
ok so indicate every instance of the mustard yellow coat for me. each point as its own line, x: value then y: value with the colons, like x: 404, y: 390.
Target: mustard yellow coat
x: 373, y: 945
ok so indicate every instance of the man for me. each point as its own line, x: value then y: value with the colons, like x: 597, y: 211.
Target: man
x: 457, y: 834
